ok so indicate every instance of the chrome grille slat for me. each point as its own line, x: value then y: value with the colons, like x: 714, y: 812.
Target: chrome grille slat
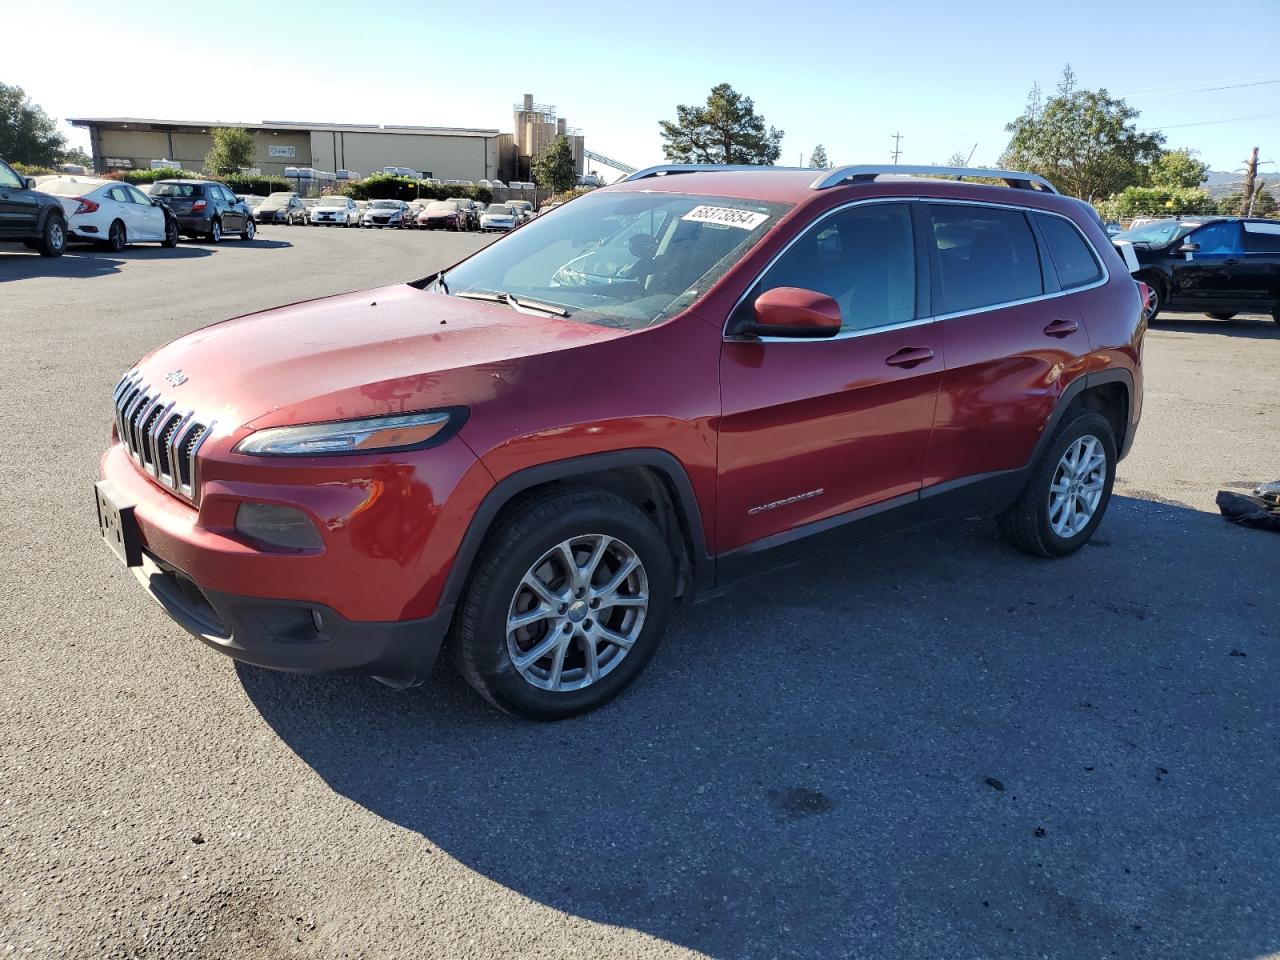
x: 162, y: 438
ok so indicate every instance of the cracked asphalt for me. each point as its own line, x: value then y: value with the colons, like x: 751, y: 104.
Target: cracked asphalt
x: 926, y: 746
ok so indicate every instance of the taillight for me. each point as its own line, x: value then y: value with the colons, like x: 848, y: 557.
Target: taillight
x: 198, y: 207
x: 86, y: 206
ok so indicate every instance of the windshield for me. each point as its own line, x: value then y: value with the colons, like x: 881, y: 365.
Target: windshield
x: 623, y: 259
x: 500, y: 208
x: 333, y: 202
x: 176, y: 190
x: 1157, y: 233
x: 442, y: 206
x: 384, y: 204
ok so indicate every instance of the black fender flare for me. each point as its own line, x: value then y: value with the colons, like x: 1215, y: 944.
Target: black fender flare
x: 508, y: 488
x: 1076, y: 387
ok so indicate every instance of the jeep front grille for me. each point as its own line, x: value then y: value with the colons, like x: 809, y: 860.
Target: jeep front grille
x: 162, y: 437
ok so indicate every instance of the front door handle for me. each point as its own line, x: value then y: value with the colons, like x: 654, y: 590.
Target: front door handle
x: 910, y: 357
x: 1061, y: 328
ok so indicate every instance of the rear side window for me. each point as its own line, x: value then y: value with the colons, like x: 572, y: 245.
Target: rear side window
x: 1262, y: 238
x: 1069, y: 252
x: 863, y: 258
x: 986, y: 256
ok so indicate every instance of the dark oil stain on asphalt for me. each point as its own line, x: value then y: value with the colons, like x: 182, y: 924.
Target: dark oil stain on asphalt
x: 796, y: 802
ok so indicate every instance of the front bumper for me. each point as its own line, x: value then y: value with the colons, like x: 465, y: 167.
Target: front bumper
x: 296, y: 636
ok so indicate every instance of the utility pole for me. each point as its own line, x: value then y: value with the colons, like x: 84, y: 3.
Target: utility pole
x: 1250, y: 177
x: 897, y: 151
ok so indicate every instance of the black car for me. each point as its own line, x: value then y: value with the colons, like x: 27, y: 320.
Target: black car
x: 34, y: 218
x: 206, y: 209
x: 1220, y: 265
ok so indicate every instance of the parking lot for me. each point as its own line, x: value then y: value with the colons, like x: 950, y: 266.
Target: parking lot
x: 931, y: 746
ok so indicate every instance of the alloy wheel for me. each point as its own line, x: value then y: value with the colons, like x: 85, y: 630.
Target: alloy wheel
x: 1077, y: 486
x: 577, y: 612
x: 1152, y: 306
x: 57, y: 236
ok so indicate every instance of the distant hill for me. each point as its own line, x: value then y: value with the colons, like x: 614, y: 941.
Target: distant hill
x: 1219, y: 184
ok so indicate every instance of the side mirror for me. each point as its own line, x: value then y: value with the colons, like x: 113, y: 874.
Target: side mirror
x: 30, y: 182
x: 795, y: 312
x: 1188, y: 248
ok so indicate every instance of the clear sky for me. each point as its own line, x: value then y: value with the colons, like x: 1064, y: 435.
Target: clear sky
x: 843, y: 73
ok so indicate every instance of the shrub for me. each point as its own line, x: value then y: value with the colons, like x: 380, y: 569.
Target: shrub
x: 151, y: 176
x: 257, y: 185
x: 31, y: 170
x: 382, y: 186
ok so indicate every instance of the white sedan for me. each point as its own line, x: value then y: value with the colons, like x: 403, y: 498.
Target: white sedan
x: 335, y: 210
x: 110, y: 212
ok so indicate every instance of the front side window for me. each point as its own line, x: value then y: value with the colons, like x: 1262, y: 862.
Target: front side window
x: 1069, y: 252
x: 986, y: 256
x: 863, y: 258
x: 1217, y: 238
x: 626, y: 259
x: 10, y: 179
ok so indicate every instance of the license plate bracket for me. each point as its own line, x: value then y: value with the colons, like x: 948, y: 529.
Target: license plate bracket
x: 118, y: 525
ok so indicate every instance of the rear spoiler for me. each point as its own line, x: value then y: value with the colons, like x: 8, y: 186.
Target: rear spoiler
x: 1127, y: 254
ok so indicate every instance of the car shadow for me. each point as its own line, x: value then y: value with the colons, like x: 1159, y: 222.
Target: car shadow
x: 231, y: 243
x: 926, y: 746
x: 1253, y: 327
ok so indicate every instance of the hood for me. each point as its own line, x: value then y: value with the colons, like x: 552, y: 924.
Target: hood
x: 379, y: 351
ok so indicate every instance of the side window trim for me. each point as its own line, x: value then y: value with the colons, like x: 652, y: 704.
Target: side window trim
x: 1049, y: 278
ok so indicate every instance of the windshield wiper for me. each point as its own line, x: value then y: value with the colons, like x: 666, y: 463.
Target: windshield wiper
x: 513, y: 301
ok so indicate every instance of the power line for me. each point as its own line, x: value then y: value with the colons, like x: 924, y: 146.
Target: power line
x: 1176, y: 90
x: 1204, y: 123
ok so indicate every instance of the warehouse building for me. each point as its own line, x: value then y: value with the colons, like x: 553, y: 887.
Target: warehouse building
x: 452, y: 153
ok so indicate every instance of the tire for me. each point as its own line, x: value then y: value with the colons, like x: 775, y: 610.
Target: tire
x: 215, y: 231
x: 1220, y: 314
x: 525, y: 543
x: 1275, y: 316
x: 117, y: 237
x: 1029, y: 523
x: 1155, y: 299
x: 250, y: 230
x: 170, y: 234
x: 53, y: 239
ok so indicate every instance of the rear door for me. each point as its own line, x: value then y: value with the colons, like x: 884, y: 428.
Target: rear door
x: 815, y: 429
x: 127, y: 212
x: 1012, y: 336
x: 1211, y: 275
x: 19, y: 207
x: 1260, y: 271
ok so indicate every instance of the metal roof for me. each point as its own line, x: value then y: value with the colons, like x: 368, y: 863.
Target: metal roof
x: 280, y: 126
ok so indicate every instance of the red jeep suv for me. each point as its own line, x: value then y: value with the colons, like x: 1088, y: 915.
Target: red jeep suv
x: 658, y: 389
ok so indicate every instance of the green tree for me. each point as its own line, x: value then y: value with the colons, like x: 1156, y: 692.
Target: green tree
x: 1085, y: 142
x: 1176, y: 168
x: 818, y: 158
x: 233, y: 150
x: 27, y: 133
x: 958, y: 159
x: 76, y: 155
x: 726, y: 130
x: 553, y: 167
x: 1264, y: 203
x: 1156, y: 202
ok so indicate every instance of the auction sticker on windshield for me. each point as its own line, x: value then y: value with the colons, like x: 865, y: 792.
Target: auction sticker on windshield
x: 726, y: 216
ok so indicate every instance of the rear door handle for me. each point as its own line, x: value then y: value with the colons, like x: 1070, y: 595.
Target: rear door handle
x: 1061, y: 328
x: 910, y: 357
x: 1230, y: 263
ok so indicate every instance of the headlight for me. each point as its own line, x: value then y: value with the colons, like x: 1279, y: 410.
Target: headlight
x: 370, y: 435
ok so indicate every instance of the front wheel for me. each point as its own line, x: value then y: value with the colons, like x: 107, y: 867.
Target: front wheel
x: 53, y: 239
x: 170, y: 234
x: 567, y: 604
x: 1070, y: 487
x: 249, y: 230
x: 1221, y: 314
x: 1155, y: 298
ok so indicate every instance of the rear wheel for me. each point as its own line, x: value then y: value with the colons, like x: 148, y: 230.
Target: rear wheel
x: 117, y: 239
x: 567, y: 604
x: 215, y: 231
x: 53, y: 239
x: 1221, y: 314
x: 170, y: 234
x: 1070, y: 487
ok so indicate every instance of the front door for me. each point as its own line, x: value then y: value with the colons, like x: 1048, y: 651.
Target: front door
x: 19, y: 209
x: 814, y: 429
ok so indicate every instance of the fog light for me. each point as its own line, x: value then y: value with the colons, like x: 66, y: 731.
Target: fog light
x: 278, y: 526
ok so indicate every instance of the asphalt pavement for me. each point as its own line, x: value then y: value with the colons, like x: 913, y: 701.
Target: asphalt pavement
x: 929, y: 746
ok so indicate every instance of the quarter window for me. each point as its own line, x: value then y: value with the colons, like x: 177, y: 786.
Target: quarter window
x: 863, y: 258
x: 1262, y: 237
x: 1069, y: 252
x: 986, y: 256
